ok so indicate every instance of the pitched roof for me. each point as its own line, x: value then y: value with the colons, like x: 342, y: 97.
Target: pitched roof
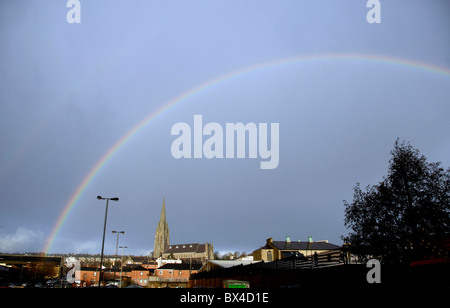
x: 322, y: 245
x: 181, y: 266
x: 184, y: 248
x: 135, y: 267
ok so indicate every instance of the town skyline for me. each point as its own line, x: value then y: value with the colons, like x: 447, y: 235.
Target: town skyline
x: 113, y: 237
x: 90, y: 94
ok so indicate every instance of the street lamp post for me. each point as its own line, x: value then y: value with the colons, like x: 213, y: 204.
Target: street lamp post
x: 121, y: 265
x: 117, y: 242
x: 104, y: 230
x: 117, y: 245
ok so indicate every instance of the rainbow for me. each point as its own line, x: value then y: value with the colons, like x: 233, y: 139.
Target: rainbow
x: 192, y: 92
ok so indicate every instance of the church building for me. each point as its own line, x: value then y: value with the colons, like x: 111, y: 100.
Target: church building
x: 162, y: 234
x: 185, y: 252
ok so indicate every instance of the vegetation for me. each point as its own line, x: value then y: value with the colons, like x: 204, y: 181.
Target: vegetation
x: 399, y: 219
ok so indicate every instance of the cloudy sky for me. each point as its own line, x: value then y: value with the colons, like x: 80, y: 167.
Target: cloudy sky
x: 341, y: 89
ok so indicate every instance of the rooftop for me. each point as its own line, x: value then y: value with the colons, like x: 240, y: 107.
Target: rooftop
x: 181, y: 266
x: 283, y: 245
x: 299, y: 245
x: 183, y: 248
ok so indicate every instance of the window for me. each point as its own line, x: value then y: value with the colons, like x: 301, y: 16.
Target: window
x: 269, y: 255
x: 142, y: 273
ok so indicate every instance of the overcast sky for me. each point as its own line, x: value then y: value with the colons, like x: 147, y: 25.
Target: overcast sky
x: 70, y: 91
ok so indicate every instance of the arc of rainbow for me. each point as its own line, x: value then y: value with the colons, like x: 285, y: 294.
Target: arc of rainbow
x: 99, y: 165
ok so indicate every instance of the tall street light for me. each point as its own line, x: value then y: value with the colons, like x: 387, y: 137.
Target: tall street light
x: 117, y: 242
x: 117, y: 245
x: 121, y: 265
x: 104, y: 230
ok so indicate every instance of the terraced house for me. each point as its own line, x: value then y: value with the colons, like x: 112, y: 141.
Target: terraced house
x: 174, y: 275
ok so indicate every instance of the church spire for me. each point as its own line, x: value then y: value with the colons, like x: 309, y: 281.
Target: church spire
x: 162, y: 233
x: 162, y: 219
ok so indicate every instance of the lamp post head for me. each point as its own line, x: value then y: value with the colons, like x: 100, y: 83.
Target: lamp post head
x: 113, y: 199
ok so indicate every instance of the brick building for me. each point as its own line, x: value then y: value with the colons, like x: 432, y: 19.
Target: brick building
x: 174, y: 275
x: 277, y: 250
x: 131, y: 274
x: 185, y: 252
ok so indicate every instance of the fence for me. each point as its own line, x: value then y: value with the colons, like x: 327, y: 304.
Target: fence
x: 315, y: 261
x: 285, y: 272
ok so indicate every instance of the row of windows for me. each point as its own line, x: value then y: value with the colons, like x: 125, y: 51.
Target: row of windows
x: 187, y: 255
x: 170, y: 272
x: 95, y: 274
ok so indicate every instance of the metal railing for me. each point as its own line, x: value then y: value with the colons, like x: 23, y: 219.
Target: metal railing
x: 314, y: 261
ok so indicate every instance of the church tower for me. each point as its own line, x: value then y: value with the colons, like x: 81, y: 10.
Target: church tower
x: 162, y: 234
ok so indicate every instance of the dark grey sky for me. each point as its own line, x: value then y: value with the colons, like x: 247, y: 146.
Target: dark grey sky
x: 70, y: 92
